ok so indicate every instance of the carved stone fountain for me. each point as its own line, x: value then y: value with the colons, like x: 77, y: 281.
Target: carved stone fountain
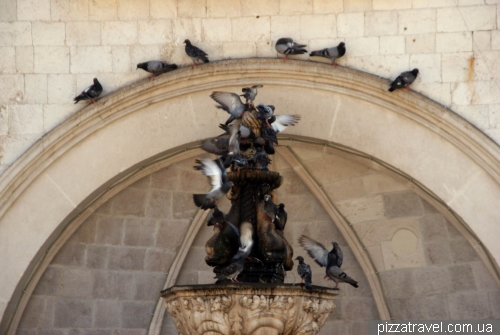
x: 260, y: 303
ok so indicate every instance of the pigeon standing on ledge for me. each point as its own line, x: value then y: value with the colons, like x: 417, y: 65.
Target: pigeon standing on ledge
x: 331, y: 53
x: 90, y: 93
x: 305, y: 273
x: 195, y: 53
x: 286, y: 46
x: 404, y: 80
x: 156, y: 67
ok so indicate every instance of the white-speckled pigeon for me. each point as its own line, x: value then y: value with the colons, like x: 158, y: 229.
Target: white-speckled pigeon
x: 404, y: 80
x: 286, y: 46
x: 90, y: 93
x: 331, y: 53
x: 195, y: 53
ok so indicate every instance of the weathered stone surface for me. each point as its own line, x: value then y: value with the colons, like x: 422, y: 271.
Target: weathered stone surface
x: 130, y: 202
x: 73, y: 313
x: 139, y: 232
x: 158, y: 260
x: 350, y: 24
x: 97, y: 257
x: 109, y: 230
x: 71, y: 254
x: 91, y: 59
x: 398, y: 283
x: 462, y: 251
x: 469, y: 305
x: 392, y: 45
x: 420, y: 44
x: 84, y: 33
x: 433, y: 227
x: 7, y: 60
x: 49, y: 282
x: 402, y: 204
x: 48, y: 33
x: 113, y: 285
x: 107, y: 314
x: 438, y: 253
x: 61, y: 88
x: 461, y: 278
x: 431, y: 281
x: 128, y: 10
x: 148, y: 285
x: 32, y: 313
x: 126, y: 258
x: 24, y: 62
x: 454, y: 42
x: 51, y: 59
x: 381, y: 23
x: 75, y: 283
x: 137, y: 314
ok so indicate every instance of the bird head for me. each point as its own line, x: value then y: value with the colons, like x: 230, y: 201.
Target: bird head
x: 414, y: 72
x: 335, y: 244
x: 267, y: 197
x: 186, y: 41
x: 96, y: 81
x: 230, y: 184
x: 341, y: 44
x: 299, y: 258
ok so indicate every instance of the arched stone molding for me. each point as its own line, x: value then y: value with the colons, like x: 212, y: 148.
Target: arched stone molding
x: 56, y: 179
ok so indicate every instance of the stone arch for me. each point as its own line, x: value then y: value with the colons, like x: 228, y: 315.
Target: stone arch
x: 342, y: 106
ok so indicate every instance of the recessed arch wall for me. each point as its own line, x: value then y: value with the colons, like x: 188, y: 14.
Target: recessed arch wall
x: 39, y: 193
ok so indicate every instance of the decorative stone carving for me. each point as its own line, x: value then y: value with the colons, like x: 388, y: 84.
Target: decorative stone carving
x: 249, y: 309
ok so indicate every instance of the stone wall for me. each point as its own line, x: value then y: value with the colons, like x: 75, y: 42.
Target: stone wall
x: 116, y: 263
x: 50, y: 50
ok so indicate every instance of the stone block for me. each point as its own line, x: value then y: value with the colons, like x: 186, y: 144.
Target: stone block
x: 454, y: 42
x: 318, y: 26
x: 187, y: 277
x: 75, y: 283
x: 73, y: 313
x: 408, y: 308
x: 357, y: 6
x: 402, y: 204
x: 223, y: 8
x: 129, y: 10
x: 24, y: 60
x: 192, y: 8
x: 108, y: 314
x: 86, y: 232
x: 483, y: 277
x: 350, y: 24
x: 430, y: 281
x: 48, y: 33
x: 417, y: 21
x: 438, y: 253
x: 119, y: 32
x: 126, y: 258
x: 140, y: 232
x: 479, y: 17
x: 15, y: 34
x: 328, y: 6
x: 83, y: 33
x: 143, y: 53
x: 15, y: 145
x: 69, y: 10
x: 292, y: 184
x: 482, y: 40
x: 382, y: 183
x: 182, y: 205
x: 285, y: 26
x: 461, y: 276
x: 434, y: 307
x: 97, y: 257
x: 103, y: 10
x: 55, y: 114
x: 130, y: 202
x: 161, y: 9
x: 194, y: 181
x: 109, y: 230
x: 7, y: 60
x: 32, y: 10
x: 166, y: 178
x: 469, y: 306
x: 292, y: 7
x: 137, y: 314
x: 462, y: 251
x: 47, y: 317
x: 404, y: 250
x: 433, y: 227
x: 495, y: 39
x: 433, y: 3
x: 32, y: 313
x: 494, y: 299
x: 420, y: 44
x: 158, y: 260
x: 234, y: 50
x: 187, y: 29
x: 391, y: 4
x: 49, y: 282
x: 25, y: 119
x: 91, y: 59
x: 359, y: 308
x: 260, y: 8
x: 61, y: 88
x: 4, y: 121
x: 450, y: 20
x: 362, y: 46
x: 148, y: 285
x: 381, y: 23
x: 154, y: 32
x: 398, y: 283
x: 159, y: 204
x: 390, y: 45
x: 70, y: 254
x: 215, y: 30
x: 8, y: 13
x: 251, y: 29
x: 50, y: 59
x: 113, y: 285
x: 362, y: 209
x: 462, y: 93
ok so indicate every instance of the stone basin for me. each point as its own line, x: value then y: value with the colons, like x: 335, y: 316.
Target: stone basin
x: 242, y: 309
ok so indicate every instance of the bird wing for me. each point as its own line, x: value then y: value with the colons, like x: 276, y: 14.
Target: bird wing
x: 340, y: 255
x: 246, y: 240
x: 229, y: 100
x: 195, y: 51
x: 218, y: 146
x: 315, y: 249
x: 213, y: 172
x: 234, y: 139
x: 154, y: 66
x: 283, y: 121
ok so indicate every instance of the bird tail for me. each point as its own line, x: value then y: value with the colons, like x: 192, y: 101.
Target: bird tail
x: 348, y: 279
x: 80, y: 97
x: 200, y: 201
x: 315, y: 53
x: 204, y: 59
x: 391, y: 89
x: 308, y: 283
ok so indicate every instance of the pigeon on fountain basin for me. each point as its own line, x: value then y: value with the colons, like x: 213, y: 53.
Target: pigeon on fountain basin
x: 90, y: 93
x: 305, y: 273
x: 156, y: 67
x: 250, y: 93
x: 404, y: 80
x: 231, y: 103
x: 286, y: 46
x: 331, y: 53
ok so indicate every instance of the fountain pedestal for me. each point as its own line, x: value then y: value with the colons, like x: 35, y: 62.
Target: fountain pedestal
x: 241, y: 309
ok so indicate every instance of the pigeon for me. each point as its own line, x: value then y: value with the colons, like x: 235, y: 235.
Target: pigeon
x: 237, y: 264
x: 331, y: 53
x: 250, y: 93
x: 195, y: 53
x: 245, y: 132
x: 265, y: 112
x: 280, y: 217
x: 280, y: 122
x: 217, y: 176
x: 90, y: 93
x: 231, y: 103
x: 261, y: 160
x: 217, y: 146
x: 156, y: 67
x: 269, y: 207
x: 305, y: 273
x: 287, y: 46
x: 239, y: 162
x: 330, y: 260
x: 404, y: 80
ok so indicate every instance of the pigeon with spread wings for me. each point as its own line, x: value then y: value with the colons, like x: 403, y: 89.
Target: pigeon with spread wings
x: 231, y: 103
x: 217, y: 177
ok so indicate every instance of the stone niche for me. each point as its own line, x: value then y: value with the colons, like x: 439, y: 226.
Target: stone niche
x: 241, y: 309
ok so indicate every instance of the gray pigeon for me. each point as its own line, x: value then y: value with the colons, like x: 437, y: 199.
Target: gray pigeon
x: 237, y: 264
x: 245, y: 132
x: 195, y: 53
x: 281, y: 217
x: 265, y: 112
x: 305, y: 273
x: 217, y: 176
x: 404, y: 80
x: 331, y: 53
x: 250, y: 93
x: 286, y: 46
x: 217, y: 146
x: 231, y: 103
x: 90, y: 93
x: 330, y: 260
x: 156, y: 67
x: 280, y: 122
x: 269, y: 207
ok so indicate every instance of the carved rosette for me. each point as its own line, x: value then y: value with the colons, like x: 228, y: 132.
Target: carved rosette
x: 255, y: 309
